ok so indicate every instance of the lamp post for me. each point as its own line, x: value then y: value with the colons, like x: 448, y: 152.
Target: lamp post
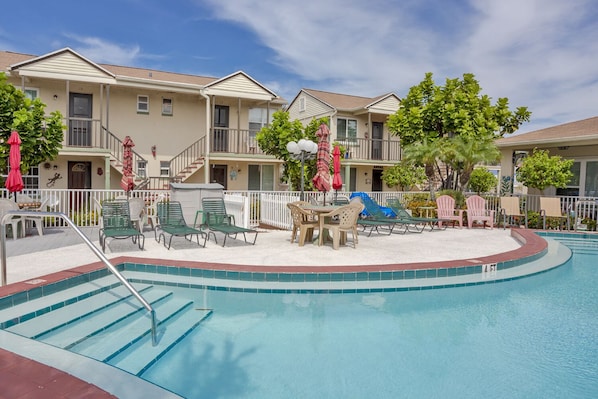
x: 303, y: 150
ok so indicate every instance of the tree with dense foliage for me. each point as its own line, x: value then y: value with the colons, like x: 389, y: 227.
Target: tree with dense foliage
x: 454, y: 126
x: 540, y: 170
x: 273, y: 140
x: 482, y: 180
x: 41, y: 135
x: 404, y: 175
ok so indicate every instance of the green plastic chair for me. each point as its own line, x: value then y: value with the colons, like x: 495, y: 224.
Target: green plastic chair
x: 170, y: 220
x: 117, y: 224
x: 413, y: 221
x: 216, y: 219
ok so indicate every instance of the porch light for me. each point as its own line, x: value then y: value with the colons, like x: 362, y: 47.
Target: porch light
x: 302, y: 151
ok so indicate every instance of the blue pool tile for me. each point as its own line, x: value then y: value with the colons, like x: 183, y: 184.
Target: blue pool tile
x: 361, y: 276
x: 420, y: 273
x: 398, y: 275
x: 409, y: 274
x: 298, y: 277
x: 374, y: 276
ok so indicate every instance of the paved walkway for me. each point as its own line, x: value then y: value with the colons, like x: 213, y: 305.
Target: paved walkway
x: 60, y: 249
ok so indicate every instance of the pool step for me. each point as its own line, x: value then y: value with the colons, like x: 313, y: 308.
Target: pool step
x: 107, y: 324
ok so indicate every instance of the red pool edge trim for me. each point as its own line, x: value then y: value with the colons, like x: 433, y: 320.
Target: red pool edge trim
x: 531, y: 244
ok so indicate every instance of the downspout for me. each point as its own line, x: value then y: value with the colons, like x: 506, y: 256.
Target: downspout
x: 206, y: 166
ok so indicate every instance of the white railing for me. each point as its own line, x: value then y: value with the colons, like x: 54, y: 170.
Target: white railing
x: 252, y: 208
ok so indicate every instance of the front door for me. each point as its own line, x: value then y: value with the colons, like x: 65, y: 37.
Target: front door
x: 80, y: 114
x: 377, y: 135
x: 220, y: 139
x: 218, y: 175
x: 79, y: 181
x: 377, y: 180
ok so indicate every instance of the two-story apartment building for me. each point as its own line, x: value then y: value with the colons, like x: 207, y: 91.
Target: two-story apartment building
x: 359, y: 125
x: 576, y: 140
x: 186, y: 128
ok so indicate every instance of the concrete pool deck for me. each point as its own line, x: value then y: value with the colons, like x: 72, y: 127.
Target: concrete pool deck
x: 61, y: 249
x: 58, y: 250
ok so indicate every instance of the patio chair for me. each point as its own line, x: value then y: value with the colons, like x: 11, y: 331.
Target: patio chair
x: 346, y: 221
x: 7, y: 205
x: 550, y: 207
x: 477, y: 211
x: 445, y: 208
x: 412, y: 221
x: 137, y: 207
x: 218, y: 220
x: 374, y: 218
x: 510, y: 210
x: 170, y: 220
x: 116, y: 224
x: 38, y: 221
x: 303, y: 221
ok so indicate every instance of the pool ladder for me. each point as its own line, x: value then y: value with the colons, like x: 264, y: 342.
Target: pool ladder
x: 87, y: 241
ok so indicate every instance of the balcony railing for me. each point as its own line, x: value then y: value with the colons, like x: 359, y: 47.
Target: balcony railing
x: 234, y: 141
x: 84, y: 133
x: 371, y: 149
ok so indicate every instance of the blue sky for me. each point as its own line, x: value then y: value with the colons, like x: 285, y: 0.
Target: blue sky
x: 542, y: 54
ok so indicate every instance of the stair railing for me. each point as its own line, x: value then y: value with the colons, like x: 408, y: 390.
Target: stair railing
x: 185, y: 158
x: 87, y: 241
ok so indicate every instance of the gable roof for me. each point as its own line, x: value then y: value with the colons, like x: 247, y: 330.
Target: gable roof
x: 578, y: 131
x: 51, y: 63
x: 62, y: 63
x: 240, y: 82
x: 345, y: 102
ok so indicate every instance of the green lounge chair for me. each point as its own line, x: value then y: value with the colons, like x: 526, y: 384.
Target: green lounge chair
x: 376, y: 219
x: 413, y: 221
x: 117, y: 224
x: 216, y: 219
x: 171, y: 221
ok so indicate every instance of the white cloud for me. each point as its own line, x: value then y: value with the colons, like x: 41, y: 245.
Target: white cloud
x: 102, y: 51
x: 538, y: 53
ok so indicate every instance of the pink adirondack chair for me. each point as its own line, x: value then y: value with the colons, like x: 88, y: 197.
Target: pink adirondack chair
x: 478, y: 212
x: 446, y: 211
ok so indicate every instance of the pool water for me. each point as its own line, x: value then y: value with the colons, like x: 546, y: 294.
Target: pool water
x: 528, y: 338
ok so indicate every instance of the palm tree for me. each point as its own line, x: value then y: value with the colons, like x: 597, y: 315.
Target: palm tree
x: 426, y: 153
x: 470, y: 152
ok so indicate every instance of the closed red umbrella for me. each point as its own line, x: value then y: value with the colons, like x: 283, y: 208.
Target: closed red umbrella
x: 337, y: 181
x: 322, y: 178
x: 14, y: 180
x: 127, y: 183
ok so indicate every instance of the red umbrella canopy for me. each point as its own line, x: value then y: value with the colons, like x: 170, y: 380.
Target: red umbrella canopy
x: 14, y: 181
x: 322, y: 178
x: 337, y: 181
x: 127, y: 182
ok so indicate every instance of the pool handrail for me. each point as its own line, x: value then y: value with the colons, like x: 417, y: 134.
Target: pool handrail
x: 90, y: 244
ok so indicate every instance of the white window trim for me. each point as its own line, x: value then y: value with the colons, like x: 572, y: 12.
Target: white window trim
x: 139, y: 102
x: 167, y: 106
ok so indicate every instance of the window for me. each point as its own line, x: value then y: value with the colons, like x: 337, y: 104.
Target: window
x: 302, y: 104
x: 31, y: 179
x: 346, y: 129
x: 261, y: 177
x: 258, y: 118
x: 164, y: 168
x: 167, y: 106
x: 31, y: 94
x: 143, y: 104
x: 141, y: 169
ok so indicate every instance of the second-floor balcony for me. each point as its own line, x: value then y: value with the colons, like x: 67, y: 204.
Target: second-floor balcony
x: 371, y: 149
x: 88, y: 133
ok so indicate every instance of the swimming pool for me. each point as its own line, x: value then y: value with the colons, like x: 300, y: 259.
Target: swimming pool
x: 530, y: 337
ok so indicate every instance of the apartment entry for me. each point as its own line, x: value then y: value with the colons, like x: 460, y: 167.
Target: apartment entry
x: 79, y: 178
x: 80, y: 114
x: 218, y: 174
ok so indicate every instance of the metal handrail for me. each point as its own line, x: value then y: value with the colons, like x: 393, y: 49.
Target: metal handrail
x: 87, y: 241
